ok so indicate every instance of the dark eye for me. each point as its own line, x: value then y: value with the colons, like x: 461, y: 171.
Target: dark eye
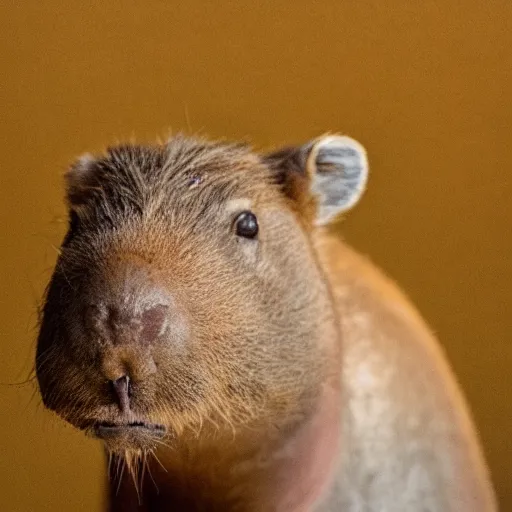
x: 246, y: 225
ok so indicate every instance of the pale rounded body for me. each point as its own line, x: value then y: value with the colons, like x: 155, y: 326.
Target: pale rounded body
x: 407, y: 440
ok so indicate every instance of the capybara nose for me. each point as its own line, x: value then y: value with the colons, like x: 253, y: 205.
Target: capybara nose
x: 122, y: 391
x: 127, y: 334
x: 128, y: 319
x: 136, y: 322
x: 127, y: 306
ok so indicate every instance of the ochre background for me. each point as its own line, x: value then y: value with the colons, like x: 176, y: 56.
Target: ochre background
x: 424, y: 85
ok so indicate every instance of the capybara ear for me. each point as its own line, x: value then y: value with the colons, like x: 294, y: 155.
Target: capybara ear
x: 332, y: 168
x: 79, y: 179
x: 338, y: 170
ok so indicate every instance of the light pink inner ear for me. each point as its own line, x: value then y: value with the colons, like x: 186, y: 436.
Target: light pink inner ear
x: 338, y: 168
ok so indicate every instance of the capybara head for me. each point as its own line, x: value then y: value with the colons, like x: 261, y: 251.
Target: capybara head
x: 187, y: 297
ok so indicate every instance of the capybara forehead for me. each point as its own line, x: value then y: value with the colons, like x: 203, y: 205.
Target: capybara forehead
x: 140, y: 177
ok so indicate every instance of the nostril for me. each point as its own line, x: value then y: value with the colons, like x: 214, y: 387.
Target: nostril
x: 154, y: 322
x: 122, y: 389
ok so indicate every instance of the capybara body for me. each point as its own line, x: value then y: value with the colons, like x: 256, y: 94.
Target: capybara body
x: 233, y: 354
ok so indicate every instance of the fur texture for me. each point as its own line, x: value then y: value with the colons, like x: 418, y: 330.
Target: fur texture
x: 261, y: 407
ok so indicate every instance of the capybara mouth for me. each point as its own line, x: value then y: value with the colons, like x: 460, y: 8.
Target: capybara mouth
x: 136, y: 434
x: 105, y: 429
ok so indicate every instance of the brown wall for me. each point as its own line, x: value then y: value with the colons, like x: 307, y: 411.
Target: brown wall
x: 422, y: 84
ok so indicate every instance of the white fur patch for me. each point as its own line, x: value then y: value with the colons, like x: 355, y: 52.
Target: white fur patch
x: 238, y: 205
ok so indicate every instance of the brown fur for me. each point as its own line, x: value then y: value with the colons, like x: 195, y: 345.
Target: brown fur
x: 248, y: 381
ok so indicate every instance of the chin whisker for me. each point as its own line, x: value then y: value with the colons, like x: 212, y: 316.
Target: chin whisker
x: 120, y: 477
x: 152, y: 452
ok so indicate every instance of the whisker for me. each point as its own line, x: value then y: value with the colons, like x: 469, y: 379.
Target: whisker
x: 158, y: 460
x: 151, y: 475
x: 121, y: 475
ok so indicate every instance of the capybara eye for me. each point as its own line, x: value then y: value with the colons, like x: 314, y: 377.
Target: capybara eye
x: 246, y: 225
